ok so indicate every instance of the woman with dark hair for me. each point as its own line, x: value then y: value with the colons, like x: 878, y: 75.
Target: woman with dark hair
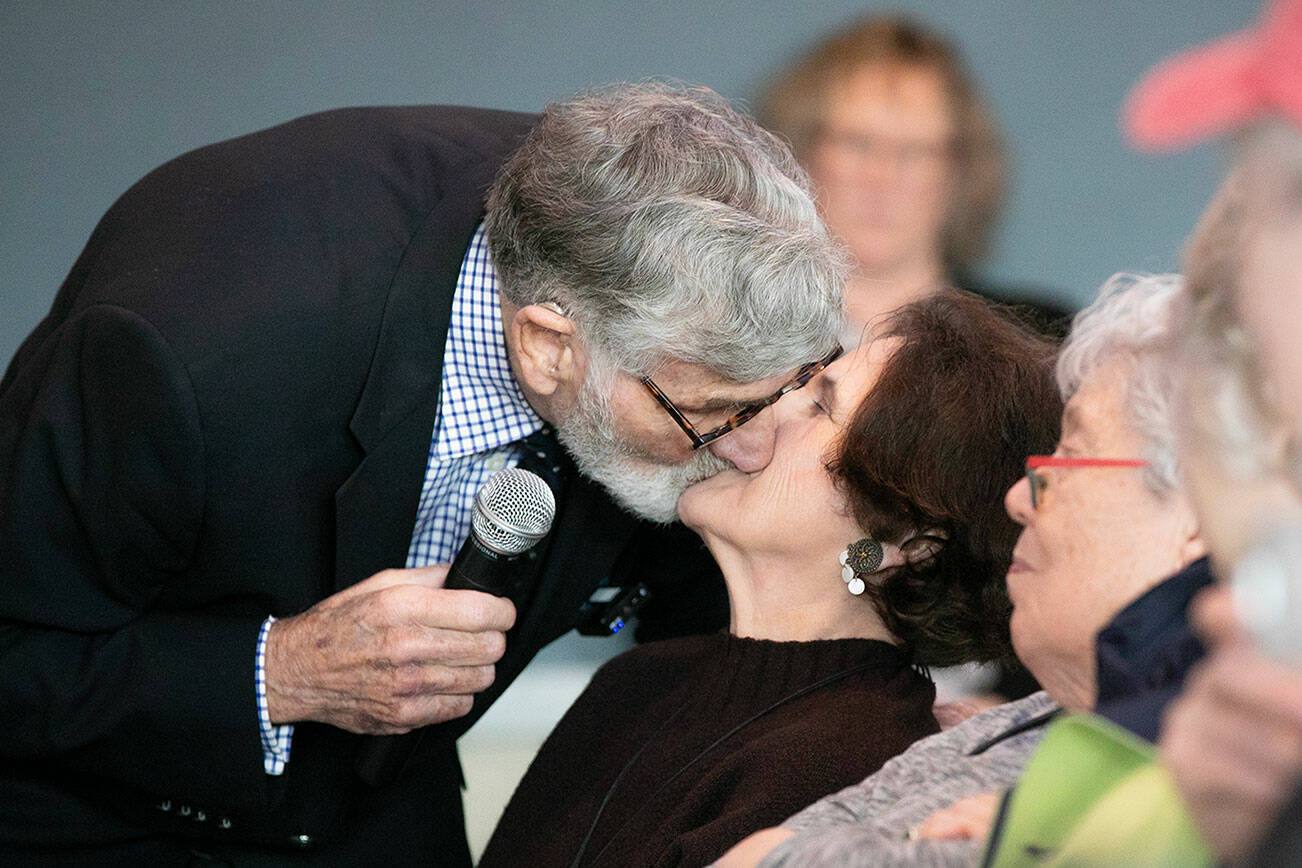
x: 873, y: 544
x: 906, y: 463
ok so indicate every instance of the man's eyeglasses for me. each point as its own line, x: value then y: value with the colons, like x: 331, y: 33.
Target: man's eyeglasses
x: 1039, y: 483
x: 745, y: 414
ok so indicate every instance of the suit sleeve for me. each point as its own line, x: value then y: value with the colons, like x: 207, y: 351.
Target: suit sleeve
x: 102, y: 673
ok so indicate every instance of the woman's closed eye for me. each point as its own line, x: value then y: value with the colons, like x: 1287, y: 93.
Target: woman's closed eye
x: 821, y: 396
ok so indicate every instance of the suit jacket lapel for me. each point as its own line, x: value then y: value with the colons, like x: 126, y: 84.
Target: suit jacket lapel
x: 375, y: 509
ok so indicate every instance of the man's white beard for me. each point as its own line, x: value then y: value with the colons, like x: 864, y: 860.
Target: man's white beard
x: 637, y: 482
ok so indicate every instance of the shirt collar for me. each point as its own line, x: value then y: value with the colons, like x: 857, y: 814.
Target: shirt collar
x: 481, y: 406
x: 1151, y: 639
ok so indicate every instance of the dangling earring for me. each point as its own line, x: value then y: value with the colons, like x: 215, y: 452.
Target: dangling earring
x: 859, y: 559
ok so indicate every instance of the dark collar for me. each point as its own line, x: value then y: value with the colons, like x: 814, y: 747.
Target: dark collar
x: 1150, y: 643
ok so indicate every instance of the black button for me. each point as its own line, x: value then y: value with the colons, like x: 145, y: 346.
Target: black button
x: 165, y: 805
x: 186, y: 810
x: 301, y: 841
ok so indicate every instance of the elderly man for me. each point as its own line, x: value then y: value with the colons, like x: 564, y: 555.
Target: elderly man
x: 270, y: 388
x: 1105, y: 524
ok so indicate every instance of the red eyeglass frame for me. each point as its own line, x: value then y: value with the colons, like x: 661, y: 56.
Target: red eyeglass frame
x: 1036, y: 462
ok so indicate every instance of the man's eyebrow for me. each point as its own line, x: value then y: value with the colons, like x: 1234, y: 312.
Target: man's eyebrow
x: 718, y: 405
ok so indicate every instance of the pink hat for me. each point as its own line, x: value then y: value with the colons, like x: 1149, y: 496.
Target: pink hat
x: 1225, y: 84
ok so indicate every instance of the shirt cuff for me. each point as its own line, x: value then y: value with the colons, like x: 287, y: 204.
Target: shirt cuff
x: 275, y: 739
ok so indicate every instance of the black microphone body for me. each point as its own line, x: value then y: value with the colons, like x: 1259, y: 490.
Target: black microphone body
x: 478, y: 568
x: 512, y: 511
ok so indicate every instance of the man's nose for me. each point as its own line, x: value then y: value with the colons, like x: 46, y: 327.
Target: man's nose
x: 1017, y: 501
x: 750, y: 447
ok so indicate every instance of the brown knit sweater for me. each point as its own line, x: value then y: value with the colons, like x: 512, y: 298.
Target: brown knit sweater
x: 695, y: 743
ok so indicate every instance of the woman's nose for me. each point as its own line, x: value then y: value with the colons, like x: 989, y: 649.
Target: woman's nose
x: 750, y: 447
x: 1017, y: 501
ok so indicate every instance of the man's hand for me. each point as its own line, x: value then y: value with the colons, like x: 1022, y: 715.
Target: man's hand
x: 390, y: 654
x: 1233, y: 739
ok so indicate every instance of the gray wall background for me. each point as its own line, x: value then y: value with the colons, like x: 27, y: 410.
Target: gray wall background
x: 93, y: 94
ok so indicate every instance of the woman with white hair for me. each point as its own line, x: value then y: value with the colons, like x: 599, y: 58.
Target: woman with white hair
x: 1106, y: 521
x: 1228, y: 753
x: 1105, y: 525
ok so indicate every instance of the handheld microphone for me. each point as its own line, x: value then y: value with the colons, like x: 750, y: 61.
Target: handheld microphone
x: 513, y: 510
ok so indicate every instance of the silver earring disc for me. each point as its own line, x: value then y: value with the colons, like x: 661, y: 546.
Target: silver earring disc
x: 865, y: 555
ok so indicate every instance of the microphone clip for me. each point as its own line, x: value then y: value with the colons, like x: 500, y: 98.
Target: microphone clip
x: 610, y: 609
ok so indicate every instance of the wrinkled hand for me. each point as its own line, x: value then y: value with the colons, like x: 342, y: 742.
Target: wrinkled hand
x: 1233, y: 739
x: 967, y: 819
x: 391, y: 653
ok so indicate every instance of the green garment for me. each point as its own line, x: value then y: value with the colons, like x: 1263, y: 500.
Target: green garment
x: 1094, y: 794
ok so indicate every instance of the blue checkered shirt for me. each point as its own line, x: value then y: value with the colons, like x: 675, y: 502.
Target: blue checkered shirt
x: 482, y: 416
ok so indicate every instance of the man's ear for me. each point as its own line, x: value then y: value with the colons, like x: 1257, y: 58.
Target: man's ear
x: 547, y: 354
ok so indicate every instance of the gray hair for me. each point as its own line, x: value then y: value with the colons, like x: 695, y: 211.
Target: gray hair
x: 668, y: 225
x: 1131, y: 321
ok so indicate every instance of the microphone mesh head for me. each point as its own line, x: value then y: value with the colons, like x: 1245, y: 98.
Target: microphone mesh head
x: 513, y: 510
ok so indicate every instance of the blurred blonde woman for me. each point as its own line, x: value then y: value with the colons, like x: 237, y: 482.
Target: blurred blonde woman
x: 907, y: 159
